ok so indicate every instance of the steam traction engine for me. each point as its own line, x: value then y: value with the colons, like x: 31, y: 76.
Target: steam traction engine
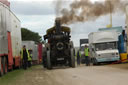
x: 59, y: 49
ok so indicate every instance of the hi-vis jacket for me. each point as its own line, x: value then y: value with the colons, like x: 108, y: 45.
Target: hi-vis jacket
x: 29, y: 58
x: 77, y: 53
x: 86, y: 52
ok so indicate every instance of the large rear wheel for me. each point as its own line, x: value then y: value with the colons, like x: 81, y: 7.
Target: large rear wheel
x: 44, y: 58
x: 49, y: 66
x: 44, y: 62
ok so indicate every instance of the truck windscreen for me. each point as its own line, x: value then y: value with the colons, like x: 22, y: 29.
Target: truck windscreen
x: 106, y: 46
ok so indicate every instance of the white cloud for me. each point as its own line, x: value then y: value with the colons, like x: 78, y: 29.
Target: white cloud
x: 30, y: 0
x: 32, y: 8
x: 36, y: 16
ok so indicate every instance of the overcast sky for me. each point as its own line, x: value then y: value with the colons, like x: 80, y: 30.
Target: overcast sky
x: 39, y: 15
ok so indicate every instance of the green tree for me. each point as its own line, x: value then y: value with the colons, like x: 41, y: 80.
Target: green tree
x: 30, y: 35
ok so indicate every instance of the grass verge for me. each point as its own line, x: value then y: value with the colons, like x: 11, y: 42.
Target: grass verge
x: 11, y: 77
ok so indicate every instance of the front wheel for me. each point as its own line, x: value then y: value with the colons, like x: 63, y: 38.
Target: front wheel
x: 48, y: 60
x: 72, y: 58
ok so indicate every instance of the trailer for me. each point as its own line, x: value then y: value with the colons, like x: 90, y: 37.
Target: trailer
x: 30, y: 45
x: 40, y: 52
x: 10, y: 39
x: 36, y: 51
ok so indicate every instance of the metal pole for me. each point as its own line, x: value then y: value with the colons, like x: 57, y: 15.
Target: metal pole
x: 127, y: 25
x: 110, y: 13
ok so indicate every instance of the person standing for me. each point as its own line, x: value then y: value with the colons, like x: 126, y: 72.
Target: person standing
x: 87, y: 59
x: 30, y: 58
x: 24, y: 57
x: 78, y: 55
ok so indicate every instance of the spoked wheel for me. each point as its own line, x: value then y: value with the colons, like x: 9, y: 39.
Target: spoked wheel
x: 1, y: 67
x: 72, y: 58
x: 49, y: 66
x: 5, y: 65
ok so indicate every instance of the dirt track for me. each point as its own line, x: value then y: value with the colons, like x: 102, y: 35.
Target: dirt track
x: 94, y: 75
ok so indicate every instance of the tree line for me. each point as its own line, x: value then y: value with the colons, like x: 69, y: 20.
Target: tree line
x: 30, y: 35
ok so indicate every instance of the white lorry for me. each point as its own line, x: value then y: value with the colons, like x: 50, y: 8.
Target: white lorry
x: 103, y: 47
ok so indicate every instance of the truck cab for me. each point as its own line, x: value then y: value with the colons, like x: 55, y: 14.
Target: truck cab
x: 103, y: 46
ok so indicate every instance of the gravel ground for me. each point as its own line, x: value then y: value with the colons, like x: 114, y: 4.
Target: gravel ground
x: 93, y: 75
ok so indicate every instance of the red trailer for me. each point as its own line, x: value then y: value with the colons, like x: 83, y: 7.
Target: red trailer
x: 40, y: 51
x: 10, y: 39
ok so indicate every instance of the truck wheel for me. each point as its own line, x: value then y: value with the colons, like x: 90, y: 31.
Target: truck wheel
x: 72, y: 58
x: 48, y: 60
x: 1, y: 67
x: 5, y: 65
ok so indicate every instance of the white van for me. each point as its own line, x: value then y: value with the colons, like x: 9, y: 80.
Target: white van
x: 103, y: 46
